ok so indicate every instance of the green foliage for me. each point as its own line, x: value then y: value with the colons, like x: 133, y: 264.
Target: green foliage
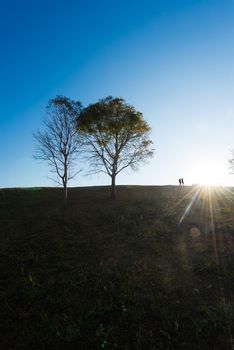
x: 114, y: 135
x: 112, y: 116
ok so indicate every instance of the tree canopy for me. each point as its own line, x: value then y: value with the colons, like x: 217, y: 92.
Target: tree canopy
x: 115, y: 136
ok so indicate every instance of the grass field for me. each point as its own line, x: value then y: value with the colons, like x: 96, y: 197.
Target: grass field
x: 139, y: 272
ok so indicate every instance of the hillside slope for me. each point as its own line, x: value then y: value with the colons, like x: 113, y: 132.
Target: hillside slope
x: 152, y: 269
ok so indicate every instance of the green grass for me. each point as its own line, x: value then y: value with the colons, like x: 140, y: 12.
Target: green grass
x: 116, y: 274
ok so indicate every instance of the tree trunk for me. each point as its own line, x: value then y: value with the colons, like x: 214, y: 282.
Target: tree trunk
x: 113, y: 188
x: 65, y: 195
x: 65, y: 182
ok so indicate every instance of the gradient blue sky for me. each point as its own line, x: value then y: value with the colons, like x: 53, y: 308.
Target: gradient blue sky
x: 173, y: 60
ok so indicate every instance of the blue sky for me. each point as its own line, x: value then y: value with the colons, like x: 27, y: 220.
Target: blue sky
x: 173, y: 60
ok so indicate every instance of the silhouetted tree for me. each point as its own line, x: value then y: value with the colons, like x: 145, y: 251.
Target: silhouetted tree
x: 114, y: 136
x: 231, y: 162
x: 58, y: 144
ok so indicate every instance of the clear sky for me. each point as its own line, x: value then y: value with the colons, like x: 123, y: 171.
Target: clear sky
x: 172, y: 59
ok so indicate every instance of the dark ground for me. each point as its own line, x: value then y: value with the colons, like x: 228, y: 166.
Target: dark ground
x: 117, y: 274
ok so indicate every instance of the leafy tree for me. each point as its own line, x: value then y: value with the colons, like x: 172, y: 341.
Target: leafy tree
x: 58, y: 143
x: 115, y: 136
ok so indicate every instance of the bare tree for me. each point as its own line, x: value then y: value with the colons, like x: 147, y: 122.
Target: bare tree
x: 231, y: 163
x: 58, y: 144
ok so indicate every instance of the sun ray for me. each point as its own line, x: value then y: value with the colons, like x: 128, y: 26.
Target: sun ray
x: 190, y: 205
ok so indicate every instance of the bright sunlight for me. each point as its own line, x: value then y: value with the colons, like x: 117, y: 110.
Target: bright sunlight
x: 207, y: 173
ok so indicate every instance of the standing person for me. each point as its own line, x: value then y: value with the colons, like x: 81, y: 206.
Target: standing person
x: 180, y: 182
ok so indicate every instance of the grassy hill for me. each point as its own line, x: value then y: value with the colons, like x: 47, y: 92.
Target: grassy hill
x: 139, y: 272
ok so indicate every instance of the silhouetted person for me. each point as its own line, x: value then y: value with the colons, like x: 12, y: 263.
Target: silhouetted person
x: 180, y: 181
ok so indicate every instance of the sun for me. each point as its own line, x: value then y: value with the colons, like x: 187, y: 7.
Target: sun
x: 207, y: 173
x: 207, y: 180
